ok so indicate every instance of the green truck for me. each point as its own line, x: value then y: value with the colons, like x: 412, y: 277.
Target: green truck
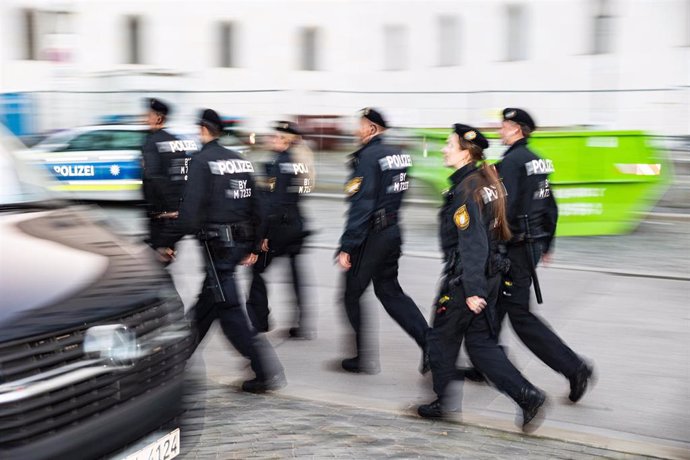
x: 604, y: 181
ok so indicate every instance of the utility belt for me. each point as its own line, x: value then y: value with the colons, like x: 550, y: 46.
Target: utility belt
x: 520, y: 239
x: 227, y: 234
x: 498, y: 263
x: 382, y: 220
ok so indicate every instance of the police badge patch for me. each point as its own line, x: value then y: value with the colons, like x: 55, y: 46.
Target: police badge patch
x: 461, y: 218
x: 353, y: 185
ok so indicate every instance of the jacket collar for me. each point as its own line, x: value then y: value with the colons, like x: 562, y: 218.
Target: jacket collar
x: 460, y: 174
x: 515, y: 145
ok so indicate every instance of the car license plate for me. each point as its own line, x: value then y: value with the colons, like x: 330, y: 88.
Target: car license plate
x: 164, y: 448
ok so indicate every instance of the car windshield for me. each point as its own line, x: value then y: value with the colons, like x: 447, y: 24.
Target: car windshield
x: 20, y: 183
x: 59, y: 139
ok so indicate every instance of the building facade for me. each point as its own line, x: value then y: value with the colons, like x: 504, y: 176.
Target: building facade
x: 610, y: 64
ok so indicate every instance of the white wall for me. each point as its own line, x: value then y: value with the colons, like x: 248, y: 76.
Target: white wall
x: 651, y: 50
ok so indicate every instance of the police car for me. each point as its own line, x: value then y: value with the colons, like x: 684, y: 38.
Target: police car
x: 103, y: 162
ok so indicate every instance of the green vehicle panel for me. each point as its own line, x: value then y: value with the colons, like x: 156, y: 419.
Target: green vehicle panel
x: 604, y: 181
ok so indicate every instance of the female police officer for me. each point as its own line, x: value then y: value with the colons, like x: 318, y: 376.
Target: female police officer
x: 288, y: 179
x: 472, y: 221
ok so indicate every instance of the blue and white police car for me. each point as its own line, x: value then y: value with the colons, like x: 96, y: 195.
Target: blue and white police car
x: 103, y: 162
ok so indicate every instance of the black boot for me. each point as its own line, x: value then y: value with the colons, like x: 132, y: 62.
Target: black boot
x: 301, y: 333
x: 531, y: 400
x: 257, y: 385
x: 579, y: 381
x: 357, y: 366
x: 431, y: 410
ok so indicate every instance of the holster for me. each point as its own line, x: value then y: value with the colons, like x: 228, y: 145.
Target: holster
x: 381, y: 220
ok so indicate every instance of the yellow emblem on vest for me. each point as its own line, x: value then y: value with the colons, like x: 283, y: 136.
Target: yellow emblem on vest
x: 461, y: 218
x: 353, y: 185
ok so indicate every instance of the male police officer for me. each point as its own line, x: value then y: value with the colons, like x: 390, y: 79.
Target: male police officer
x: 284, y: 232
x: 532, y: 215
x: 370, y: 245
x: 220, y: 204
x: 164, y: 170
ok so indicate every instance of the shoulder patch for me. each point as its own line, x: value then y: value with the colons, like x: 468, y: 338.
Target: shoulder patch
x: 461, y: 218
x: 353, y: 186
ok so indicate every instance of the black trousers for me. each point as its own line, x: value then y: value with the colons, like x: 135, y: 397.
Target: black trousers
x: 377, y: 262
x: 533, y: 331
x: 257, y: 303
x: 457, y: 322
x: 233, y: 320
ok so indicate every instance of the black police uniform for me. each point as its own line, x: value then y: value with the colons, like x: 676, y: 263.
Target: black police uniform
x: 372, y: 238
x: 525, y: 176
x: 285, y: 231
x: 472, y: 267
x: 220, y: 203
x: 165, y: 161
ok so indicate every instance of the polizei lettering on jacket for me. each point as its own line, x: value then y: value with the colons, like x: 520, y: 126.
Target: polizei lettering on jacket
x: 177, y: 146
x: 400, y: 161
x: 74, y: 170
x: 293, y: 168
x: 222, y: 167
x: 539, y: 167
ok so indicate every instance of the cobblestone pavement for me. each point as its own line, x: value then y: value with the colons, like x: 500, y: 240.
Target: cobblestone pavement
x: 224, y: 423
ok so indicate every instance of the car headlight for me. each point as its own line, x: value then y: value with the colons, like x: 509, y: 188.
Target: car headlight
x: 114, y: 343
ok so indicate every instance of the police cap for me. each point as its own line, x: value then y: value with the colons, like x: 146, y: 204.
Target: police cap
x: 519, y: 116
x: 374, y: 116
x: 470, y: 134
x: 287, y: 127
x: 211, y: 120
x: 158, y: 106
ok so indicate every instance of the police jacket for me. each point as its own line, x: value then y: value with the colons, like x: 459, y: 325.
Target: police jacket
x: 376, y: 184
x: 164, y: 171
x: 465, y: 230
x: 220, y: 190
x: 525, y: 177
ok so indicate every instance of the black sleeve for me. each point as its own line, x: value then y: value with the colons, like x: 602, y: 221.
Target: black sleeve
x: 363, y: 188
x: 473, y: 245
x: 550, y: 220
x: 193, y: 206
x: 511, y: 172
x: 153, y: 175
x: 259, y: 216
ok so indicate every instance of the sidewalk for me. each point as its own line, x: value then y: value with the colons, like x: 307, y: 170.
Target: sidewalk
x: 634, y: 329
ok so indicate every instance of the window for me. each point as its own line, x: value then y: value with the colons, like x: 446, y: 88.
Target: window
x: 517, y: 33
x: 94, y: 140
x: 449, y: 41
x: 603, y: 29
x: 133, y: 40
x: 29, y: 35
x: 227, y: 45
x: 126, y: 140
x: 395, y: 47
x: 308, y: 39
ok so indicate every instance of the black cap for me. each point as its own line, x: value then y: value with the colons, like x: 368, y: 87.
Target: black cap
x: 211, y: 120
x: 471, y: 134
x: 158, y: 106
x: 519, y: 116
x: 374, y: 116
x: 287, y: 127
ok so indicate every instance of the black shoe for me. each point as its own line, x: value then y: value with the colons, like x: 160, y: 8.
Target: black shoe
x: 579, y: 381
x: 301, y: 333
x: 357, y: 366
x: 469, y: 373
x: 531, y: 399
x: 262, y: 386
x: 431, y: 410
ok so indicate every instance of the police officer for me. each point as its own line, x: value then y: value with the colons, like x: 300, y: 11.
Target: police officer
x: 532, y: 215
x: 220, y: 205
x: 370, y: 245
x: 472, y: 222
x: 164, y: 170
x: 287, y: 181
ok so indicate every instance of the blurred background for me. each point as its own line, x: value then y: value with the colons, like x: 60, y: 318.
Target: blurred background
x: 610, y: 64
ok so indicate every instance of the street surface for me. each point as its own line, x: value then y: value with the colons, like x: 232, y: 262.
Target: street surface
x: 619, y: 301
